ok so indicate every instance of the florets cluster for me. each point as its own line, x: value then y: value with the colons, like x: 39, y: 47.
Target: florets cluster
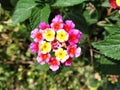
x: 56, y: 43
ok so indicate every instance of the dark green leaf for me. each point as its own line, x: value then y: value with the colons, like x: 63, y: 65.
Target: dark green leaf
x: 91, y: 17
x: 65, y: 3
x: 106, y: 4
x: 13, y: 2
x: 110, y: 46
x: 39, y: 15
x: 108, y: 65
x: 22, y: 11
x: 106, y: 61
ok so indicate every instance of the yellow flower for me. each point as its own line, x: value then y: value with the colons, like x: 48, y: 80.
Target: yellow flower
x: 61, y: 55
x: 49, y: 34
x: 45, y: 47
x: 62, y: 35
x: 118, y: 2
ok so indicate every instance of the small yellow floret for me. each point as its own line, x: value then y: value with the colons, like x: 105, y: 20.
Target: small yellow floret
x: 62, y: 35
x: 45, y: 47
x: 49, y: 34
x: 61, y: 55
x: 118, y: 2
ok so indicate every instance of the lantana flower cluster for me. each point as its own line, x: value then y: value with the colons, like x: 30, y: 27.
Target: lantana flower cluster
x: 56, y: 43
x: 115, y: 3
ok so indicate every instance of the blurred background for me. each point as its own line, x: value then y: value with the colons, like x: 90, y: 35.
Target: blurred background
x: 19, y: 69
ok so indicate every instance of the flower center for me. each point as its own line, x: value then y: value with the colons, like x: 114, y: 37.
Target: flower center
x: 54, y: 62
x: 39, y: 35
x: 44, y: 56
x: 72, y: 50
x: 56, y: 25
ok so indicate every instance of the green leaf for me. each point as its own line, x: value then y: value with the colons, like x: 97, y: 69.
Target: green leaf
x: 108, y: 65
x: 110, y: 46
x: 106, y: 61
x: 112, y: 29
x: 22, y: 11
x: 66, y: 3
x: 106, y: 3
x: 44, y: 67
x: 91, y: 17
x: 39, y: 15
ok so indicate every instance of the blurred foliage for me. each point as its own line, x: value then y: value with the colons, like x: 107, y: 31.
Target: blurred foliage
x: 96, y: 69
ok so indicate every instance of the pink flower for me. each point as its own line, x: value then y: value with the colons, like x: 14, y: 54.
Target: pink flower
x: 68, y: 62
x: 43, y: 25
x: 54, y: 64
x: 37, y: 35
x: 57, y: 23
x: 73, y: 51
x: 74, y: 36
x: 58, y: 18
x: 69, y: 25
x: 42, y: 58
x: 34, y: 47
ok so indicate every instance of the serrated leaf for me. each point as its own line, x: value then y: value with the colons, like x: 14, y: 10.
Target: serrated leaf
x: 39, y: 15
x: 112, y: 29
x: 66, y: 3
x: 110, y: 46
x: 108, y: 65
x: 106, y: 61
x: 22, y: 11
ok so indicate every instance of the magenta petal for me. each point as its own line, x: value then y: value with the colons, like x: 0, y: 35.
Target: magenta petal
x: 75, y: 36
x: 58, y: 18
x: 68, y: 62
x: 80, y: 35
x: 33, y: 33
x: 39, y: 59
x: 71, y: 55
x: 43, y: 25
x: 70, y: 23
x: 78, y: 51
x: 54, y: 68
x: 55, y: 26
x: 42, y: 63
x: 42, y: 60
x: 34, y: 47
